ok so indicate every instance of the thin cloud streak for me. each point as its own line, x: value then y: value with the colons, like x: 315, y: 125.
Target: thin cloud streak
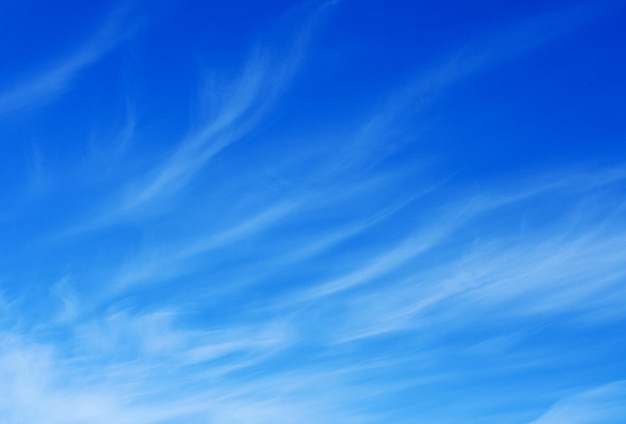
x: 604, y: 404
x: 173, y: 260
x: 44, y: 87
x: 261, y: 84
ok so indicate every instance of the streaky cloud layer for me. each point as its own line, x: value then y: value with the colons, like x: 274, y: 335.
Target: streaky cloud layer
x: 381, y: 212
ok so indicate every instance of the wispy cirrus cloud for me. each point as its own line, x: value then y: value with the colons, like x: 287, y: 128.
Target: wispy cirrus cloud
x: 352, y: 292
x: 380, y: 132
x: 262, y: 82
x: 53, y: 79
x: 239, y: 107
x: 523, y: 268
x: 601, y: 404
x: 126, y: 386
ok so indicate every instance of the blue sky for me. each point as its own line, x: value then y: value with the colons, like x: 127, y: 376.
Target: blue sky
x: 313, y: 212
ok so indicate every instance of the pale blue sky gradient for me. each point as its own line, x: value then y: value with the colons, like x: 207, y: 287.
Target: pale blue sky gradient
x: 313, y: 212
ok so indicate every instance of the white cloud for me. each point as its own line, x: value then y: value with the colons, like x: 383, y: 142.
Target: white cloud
x: 601, y: 405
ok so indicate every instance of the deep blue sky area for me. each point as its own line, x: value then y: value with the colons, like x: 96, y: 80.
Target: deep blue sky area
x: 312, y: 212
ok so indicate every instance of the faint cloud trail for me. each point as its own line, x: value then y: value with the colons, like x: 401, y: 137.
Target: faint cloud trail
x: 248, y: 101
x: 604, y: 404
x: 43, y: 87
x: 572, y: 267
x: 472, y: 58
x: 261, y: 84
